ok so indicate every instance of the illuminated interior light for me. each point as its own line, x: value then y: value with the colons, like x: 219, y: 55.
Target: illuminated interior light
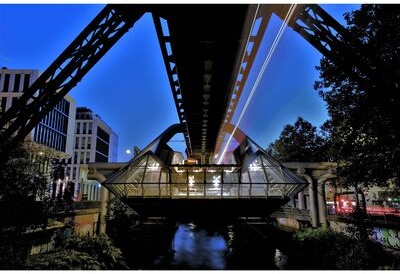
x: 254, y: 167
x: 191, y: 180
x: 154, y: 166
x: 216, y: 180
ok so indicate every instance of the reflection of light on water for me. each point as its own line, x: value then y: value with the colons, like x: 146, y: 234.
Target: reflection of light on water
x: 231, y: 238
x: 196, y: 249
x: 280, y: 259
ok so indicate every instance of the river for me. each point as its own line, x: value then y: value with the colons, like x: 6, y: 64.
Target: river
x: 207, y: 246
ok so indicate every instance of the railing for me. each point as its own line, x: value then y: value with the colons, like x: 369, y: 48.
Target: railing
x: 374, y: 216
x: 203, y: 190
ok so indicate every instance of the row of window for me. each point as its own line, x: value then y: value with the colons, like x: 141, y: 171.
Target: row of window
x: 83, y: 159
x: 73, y: 173
x: 82, y: 142
x: 63, y: 106
x: 84, y: 116
x: 101, y: 158
x: 21, y: 82
x: 103, y: 135
x: 56, y: 120
x: 4, y: 102
x: 90, y: 192
x: 102, y: 146
x: 84, y: 127
x: 47, y: 136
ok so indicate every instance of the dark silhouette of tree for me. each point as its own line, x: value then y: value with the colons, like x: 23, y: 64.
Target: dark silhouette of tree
x: 301, y: 142
x: 23, y: 204
x: 362, y: 93
x: 80, y: 253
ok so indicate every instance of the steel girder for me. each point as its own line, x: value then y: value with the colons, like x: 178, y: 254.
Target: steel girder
x: 243, y: 67
x: 199, y: 51
x: 321, y: 30
x: 172, y: 72
x: 316, y: 26
x: 333, y: 40
x: 65, y: 72
x: 310, y: 21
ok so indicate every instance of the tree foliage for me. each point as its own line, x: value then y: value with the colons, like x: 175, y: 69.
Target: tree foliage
x: 80, y: 253
x: 22, y: 184
x: 362, y: 93
x: 301, y: 142
x: 321, y: 249
x: 23, y: 188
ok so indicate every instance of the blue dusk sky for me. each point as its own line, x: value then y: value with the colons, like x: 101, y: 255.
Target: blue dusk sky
x: 129, y: 87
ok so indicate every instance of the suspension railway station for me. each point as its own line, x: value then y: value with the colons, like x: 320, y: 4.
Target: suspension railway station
x: 208, y: 51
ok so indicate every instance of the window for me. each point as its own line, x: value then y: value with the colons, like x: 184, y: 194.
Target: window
x: 89, y: 142
x: 101, y: 158
x: 17, y: 79
x: 13, y: 100
x: 102, y: 146
x: 103, y: 135
x: 27, y: 79
x: 83, y: 145
x: 82, y: 157
x: 3, y: 104
x: 6, y: 82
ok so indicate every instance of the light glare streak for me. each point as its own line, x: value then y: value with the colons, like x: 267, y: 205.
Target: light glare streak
x: 260, y: 74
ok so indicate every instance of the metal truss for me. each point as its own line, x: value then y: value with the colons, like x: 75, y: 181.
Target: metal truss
x: 333, y: 40
x: 315, y: 25
x: 310, y: 21
x: 172, y: 72
x: 263, y: 14
x: 321, y: 30
x: 65, y: 72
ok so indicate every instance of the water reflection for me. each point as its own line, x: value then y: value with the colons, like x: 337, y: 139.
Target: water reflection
x: 197, y: 248
x: 204, y: 245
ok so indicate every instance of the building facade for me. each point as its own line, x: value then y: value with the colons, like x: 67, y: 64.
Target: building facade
x: 52, y: 139
x: 56, y: 130
x: 94, y: 142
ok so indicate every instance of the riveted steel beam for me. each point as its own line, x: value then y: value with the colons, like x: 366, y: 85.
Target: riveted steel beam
x: 244, y: 63
x: 172, y: 72
x: 321, y: 30
x: 65, y: 72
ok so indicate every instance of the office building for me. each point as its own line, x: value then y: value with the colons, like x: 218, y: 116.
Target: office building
x: 94, y: 142
x: 56, y: 130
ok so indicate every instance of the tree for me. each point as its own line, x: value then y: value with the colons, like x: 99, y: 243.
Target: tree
x: 23, y: 188
x: 362, y: 94
x: 301, y: 143
x: 338, y: 251
x: 80, y: 253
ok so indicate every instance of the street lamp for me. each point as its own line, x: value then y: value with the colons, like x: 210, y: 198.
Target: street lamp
x: 130, y: 152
